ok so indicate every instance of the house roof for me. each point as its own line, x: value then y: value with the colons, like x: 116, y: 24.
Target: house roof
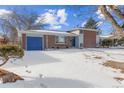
x: 106, y: 37
x: 85, y: 29
x: 48, y: 32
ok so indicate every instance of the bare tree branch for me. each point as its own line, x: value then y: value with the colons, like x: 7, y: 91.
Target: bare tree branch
x: 117, y: 11
x: 4, y: 62
x: 19, y: 20
x: 110, y: 18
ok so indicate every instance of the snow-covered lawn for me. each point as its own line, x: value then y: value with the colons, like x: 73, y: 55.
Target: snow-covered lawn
x: 67, y: 68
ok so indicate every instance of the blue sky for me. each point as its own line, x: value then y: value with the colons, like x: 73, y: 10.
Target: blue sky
x: 65, y: 17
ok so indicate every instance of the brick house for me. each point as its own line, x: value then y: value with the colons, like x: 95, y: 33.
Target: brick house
x: 87, y: 38
x: 45, y: 39
x: 2, y: 40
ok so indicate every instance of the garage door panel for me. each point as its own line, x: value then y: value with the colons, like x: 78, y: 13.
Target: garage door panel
x: 34, y: 43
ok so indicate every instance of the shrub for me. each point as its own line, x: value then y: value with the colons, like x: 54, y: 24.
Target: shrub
x: 121, y: 41
x: 107, y: 42
x: 10, y: 51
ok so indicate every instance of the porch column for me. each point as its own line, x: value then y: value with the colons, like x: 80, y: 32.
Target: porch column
x: 46, y: 41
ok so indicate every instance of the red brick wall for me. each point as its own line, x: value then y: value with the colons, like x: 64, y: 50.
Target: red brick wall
x: 24, y: 41
x: 89, y: 39
x: 49, y: 42
x: 2, y: 41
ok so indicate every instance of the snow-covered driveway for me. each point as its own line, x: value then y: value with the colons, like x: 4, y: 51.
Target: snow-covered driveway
x: 66, y: 68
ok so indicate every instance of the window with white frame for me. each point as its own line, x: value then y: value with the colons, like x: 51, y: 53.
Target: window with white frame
x: 60, y: 39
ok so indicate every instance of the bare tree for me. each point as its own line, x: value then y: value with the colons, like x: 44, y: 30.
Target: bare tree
x: 19, y: 20
x: 10, y: 31
x: 109, y: 17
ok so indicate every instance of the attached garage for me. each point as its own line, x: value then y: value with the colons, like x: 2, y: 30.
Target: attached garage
x: 43, y: 39
x: 34, y: 43
x: 31, y: 42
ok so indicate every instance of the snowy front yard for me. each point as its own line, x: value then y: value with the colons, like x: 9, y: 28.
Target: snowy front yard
x: 67, y: 68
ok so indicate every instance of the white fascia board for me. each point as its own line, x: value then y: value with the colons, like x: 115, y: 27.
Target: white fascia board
x: 85, y: 29
x: 47, y: 33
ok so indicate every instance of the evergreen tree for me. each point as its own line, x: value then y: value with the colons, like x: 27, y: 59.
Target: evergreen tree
x: 91, y: 23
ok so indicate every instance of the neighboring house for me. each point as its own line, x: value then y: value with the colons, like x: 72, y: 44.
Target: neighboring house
x: 2, y: 40
x: 105, y: 37
x: 45, y: 39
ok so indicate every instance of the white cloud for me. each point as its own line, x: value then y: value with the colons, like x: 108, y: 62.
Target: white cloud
x: 99, y: 23
x: 108, y: 9
x: 55, y: 27
x: 50, y: 18
x: 62, y: 16
x: 51, y: 10
x: 74, y: 15
x: 82, y: 25
x: 55, y: 18
x: 100, y: 15
x: 5, y: 13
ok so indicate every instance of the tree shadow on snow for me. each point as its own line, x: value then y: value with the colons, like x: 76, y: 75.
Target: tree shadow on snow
x: 49, y: 83
x: 71, y: 50
x: 32, y: 59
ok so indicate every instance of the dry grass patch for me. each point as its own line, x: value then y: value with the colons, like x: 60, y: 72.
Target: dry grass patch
x: 6, y: 76
x: 119, y: 78
x: 98, y: 57
x: 115, y: 65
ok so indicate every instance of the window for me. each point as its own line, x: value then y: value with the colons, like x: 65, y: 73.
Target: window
x: 60, y: 39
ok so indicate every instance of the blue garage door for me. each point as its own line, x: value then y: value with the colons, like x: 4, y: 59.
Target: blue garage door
x: 34, y: 43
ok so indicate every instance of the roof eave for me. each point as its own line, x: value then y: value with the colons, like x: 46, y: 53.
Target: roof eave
x: 47, y: 33
x: 83, y: 29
